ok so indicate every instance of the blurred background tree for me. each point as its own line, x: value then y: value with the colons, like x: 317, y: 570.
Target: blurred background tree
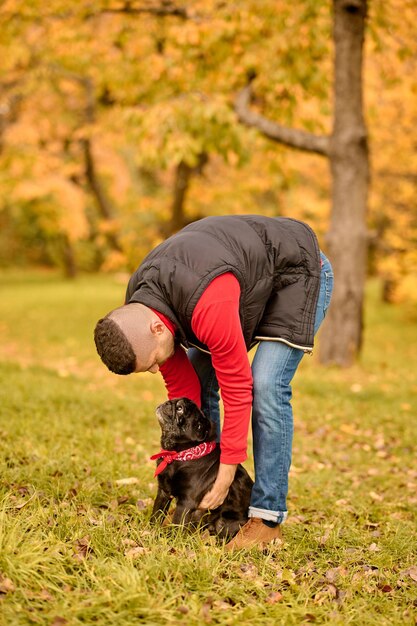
x: 117, y: 126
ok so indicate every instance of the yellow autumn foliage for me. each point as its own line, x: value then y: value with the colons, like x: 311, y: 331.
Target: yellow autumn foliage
x: 145, y: 93
x: 66, y: 200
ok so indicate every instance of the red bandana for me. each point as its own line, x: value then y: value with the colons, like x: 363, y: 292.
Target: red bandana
x: 186, y: 455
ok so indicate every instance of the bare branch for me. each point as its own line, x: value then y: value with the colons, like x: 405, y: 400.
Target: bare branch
x: 409, y: 176
x: 292, y: 137
x: 105, y: 205
x: 163, y: 10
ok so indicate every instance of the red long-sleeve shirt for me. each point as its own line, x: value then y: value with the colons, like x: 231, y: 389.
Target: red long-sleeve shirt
x: 216, y: 323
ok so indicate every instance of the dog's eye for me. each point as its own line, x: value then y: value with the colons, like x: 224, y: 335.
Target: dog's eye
x: 180, y: 409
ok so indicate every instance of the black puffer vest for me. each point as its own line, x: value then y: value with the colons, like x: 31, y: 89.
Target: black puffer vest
x: 276, y: 261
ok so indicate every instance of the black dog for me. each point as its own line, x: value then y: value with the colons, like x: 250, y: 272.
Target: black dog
x: 185, y: 428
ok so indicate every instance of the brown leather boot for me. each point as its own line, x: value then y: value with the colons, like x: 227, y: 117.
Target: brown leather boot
x: 255, y: 534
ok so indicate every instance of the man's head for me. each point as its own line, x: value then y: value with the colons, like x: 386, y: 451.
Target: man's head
x: 133, y: 338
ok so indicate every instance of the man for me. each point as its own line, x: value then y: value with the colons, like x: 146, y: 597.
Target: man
x: 215, y: 289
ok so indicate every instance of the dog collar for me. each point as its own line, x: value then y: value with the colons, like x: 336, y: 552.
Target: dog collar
x: 191, y: 454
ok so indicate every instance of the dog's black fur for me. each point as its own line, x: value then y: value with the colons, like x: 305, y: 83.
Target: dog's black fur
x: 183, y: 426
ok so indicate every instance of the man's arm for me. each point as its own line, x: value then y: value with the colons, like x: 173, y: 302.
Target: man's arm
x: 216, y: 323
x: 180, y: 377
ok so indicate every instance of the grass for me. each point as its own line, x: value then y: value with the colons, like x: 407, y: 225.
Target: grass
x: 76, y: 546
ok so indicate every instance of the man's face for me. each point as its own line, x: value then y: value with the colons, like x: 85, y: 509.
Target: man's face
x: 157, y: 356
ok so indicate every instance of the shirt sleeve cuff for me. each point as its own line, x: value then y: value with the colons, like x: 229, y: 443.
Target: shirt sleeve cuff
x: 232, y: 458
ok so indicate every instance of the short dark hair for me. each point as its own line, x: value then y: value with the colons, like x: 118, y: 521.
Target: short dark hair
x: 114, y: 349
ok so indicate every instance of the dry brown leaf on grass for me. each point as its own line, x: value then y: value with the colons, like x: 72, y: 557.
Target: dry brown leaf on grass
x: 6, y: 584
x: 136, y: 552
x: 274, y: 597
x: 325, y: 537
x: 222, y: 605
x: 45, y: 595
x: 143, y: 503
x: 130, y: 480
x: 59, y: 621
x: 376, y: 496
x: 205, y: 612
x: 248, y: 570
x: 374, y: 548
x: 411, y: 572
x: 328, y: 592
x: 335, y: 572
x: 82, y: 548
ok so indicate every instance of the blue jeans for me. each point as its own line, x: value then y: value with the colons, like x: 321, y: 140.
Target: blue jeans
x: 273, y: 369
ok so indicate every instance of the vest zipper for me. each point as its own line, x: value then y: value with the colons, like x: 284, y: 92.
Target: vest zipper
x: 305, y: 349
x: 194, y: 346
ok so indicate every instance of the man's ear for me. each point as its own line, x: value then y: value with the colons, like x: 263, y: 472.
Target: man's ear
x: 157, y: 327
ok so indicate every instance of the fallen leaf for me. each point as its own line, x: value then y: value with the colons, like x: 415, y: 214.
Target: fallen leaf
x: 25, y: 502
x: 134, y: 553
x: 376, y: 496
x: 129, y: 542
x: 274, y: 597
x: 328, y: 592
x: 335, y: 572
x: 412, y: 572
x: 248, y: 570
x: 59, y: 621
x: 221, y: 604
x: 205, y: 612
x: 82, y: 548
x: 45, y: 595
x: 131, y: 480
x: 72, y: 493
x: 6, y: 584
x: 143, y: 504
x: 374, y: 548
x: 190, y: 554
x: 325, y: 537
x: 295, y: 519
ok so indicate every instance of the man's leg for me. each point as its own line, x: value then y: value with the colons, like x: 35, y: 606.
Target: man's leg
x: 273, y: 368
x: 209, y: 386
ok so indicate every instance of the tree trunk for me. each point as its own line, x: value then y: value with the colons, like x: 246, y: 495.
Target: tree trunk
x: 70, y: 266
x: 104, y: 204
x: 181, y: 184
x: 183, y: 174
x: 348, y: 152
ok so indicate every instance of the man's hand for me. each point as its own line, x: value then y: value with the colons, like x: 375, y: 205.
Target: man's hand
x: 218, y: 493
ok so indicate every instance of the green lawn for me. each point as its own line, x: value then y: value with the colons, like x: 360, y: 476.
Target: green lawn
x: 76, y: 546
